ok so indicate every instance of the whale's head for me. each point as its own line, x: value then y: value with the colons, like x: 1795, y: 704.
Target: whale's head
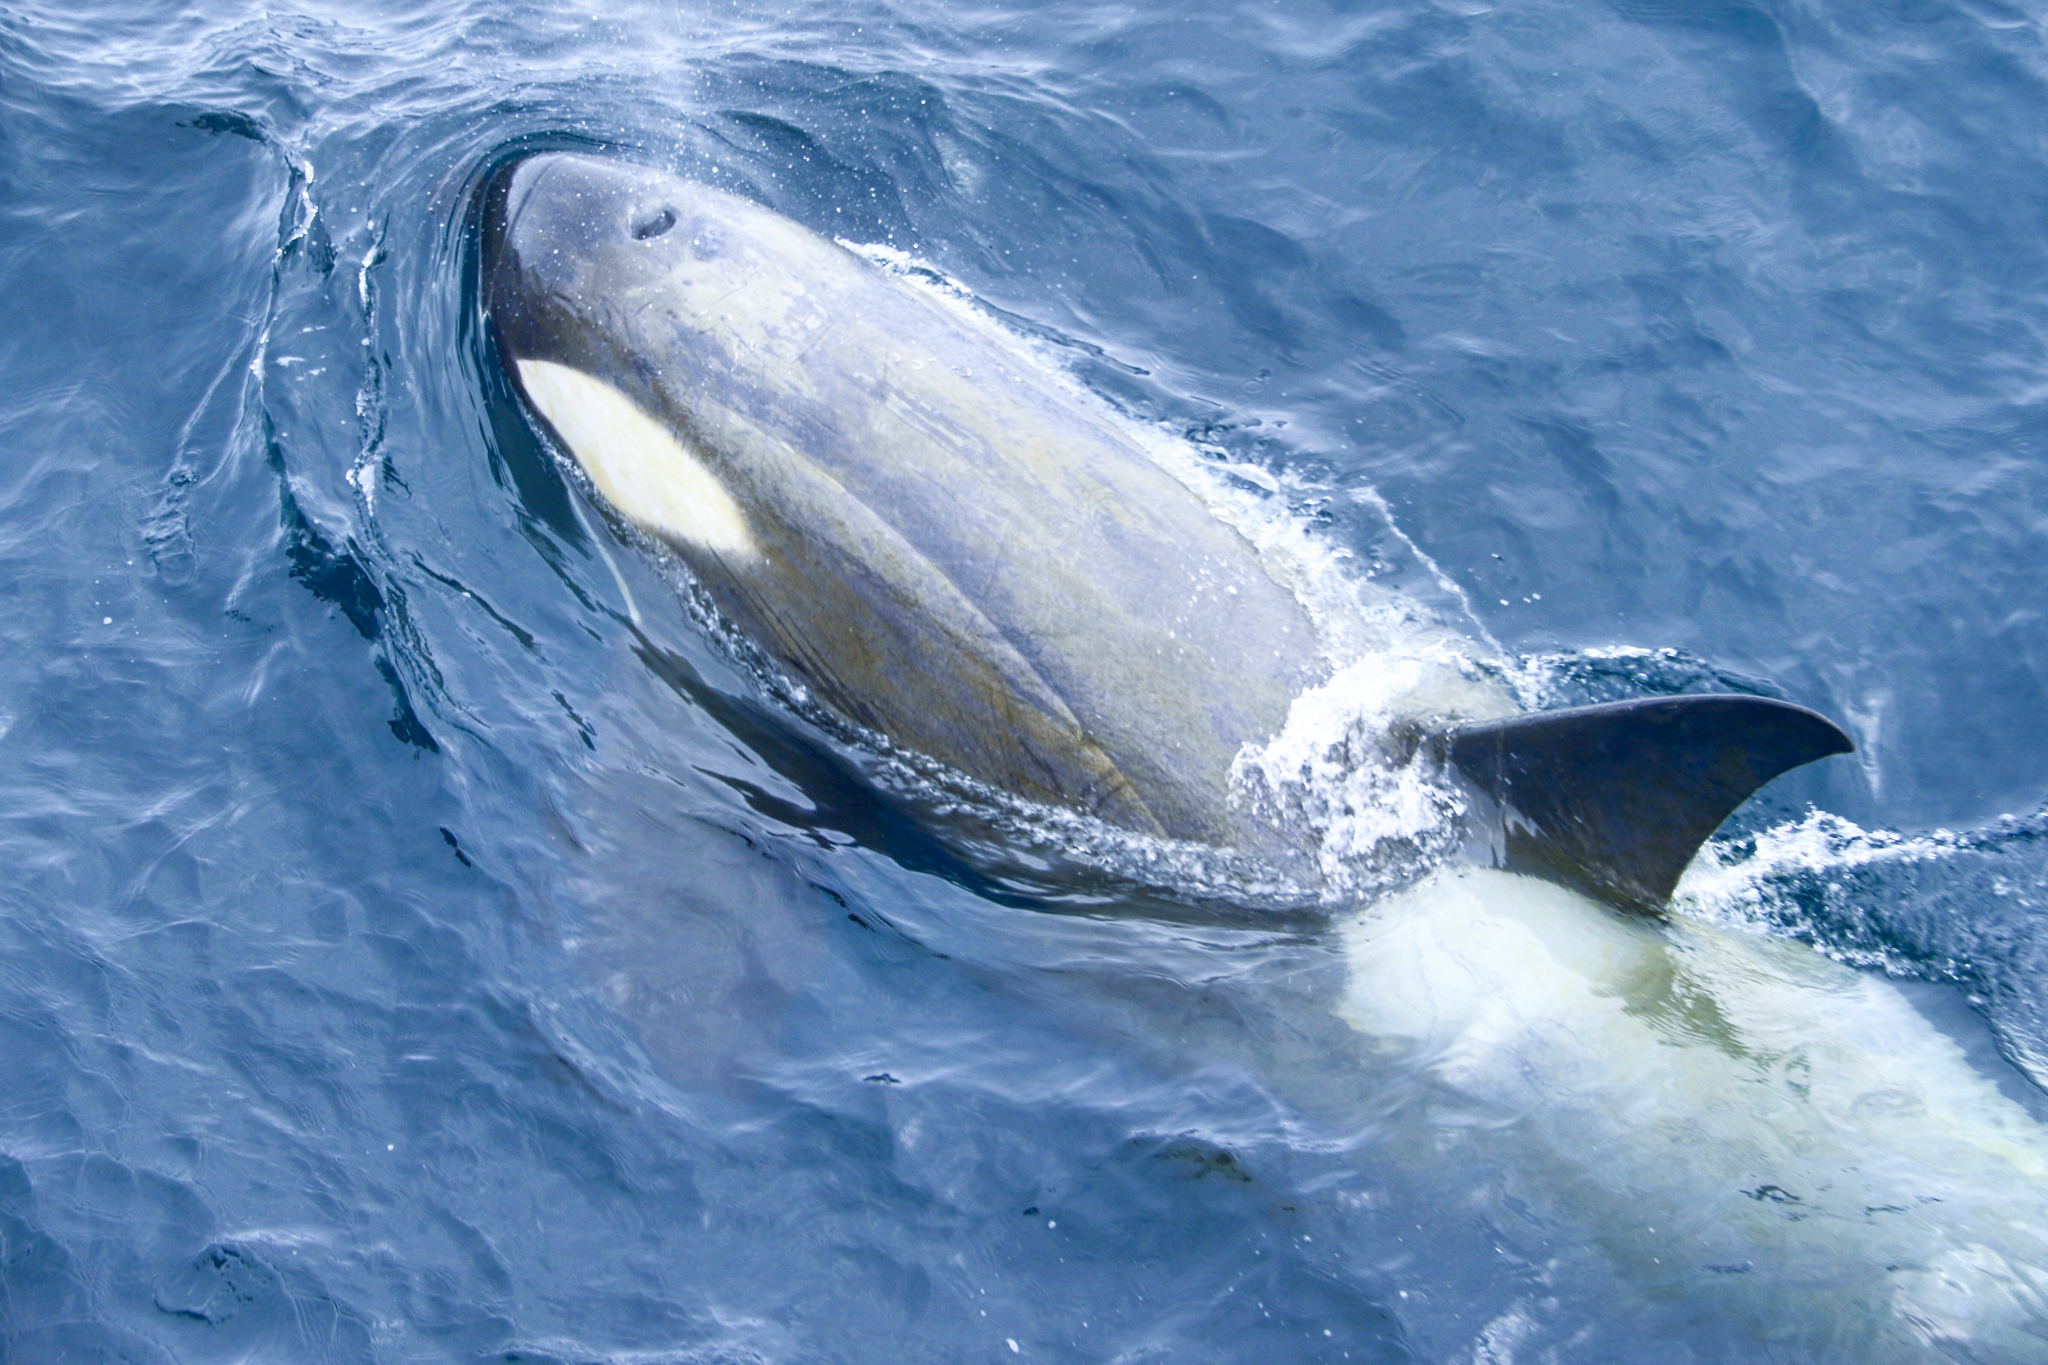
x: 567, y: 235
x: 636, y: 275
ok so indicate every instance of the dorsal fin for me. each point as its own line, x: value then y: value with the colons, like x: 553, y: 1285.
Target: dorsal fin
x: 1614, y: 800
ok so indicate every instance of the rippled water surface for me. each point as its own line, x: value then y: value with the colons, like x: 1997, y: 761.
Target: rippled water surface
x: 422, y: 942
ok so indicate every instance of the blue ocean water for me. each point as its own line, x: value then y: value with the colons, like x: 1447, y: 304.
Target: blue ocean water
x: 416, y: 951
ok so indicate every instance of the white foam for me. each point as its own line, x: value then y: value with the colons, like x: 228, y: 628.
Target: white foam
x: 1340, y: 781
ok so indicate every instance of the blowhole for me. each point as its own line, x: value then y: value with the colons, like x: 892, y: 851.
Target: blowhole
x: 654, y: 226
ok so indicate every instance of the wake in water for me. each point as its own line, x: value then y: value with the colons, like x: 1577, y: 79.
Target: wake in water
x: 1353, y: 777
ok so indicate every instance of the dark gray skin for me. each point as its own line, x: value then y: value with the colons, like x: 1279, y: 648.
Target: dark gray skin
x: 947, y: 546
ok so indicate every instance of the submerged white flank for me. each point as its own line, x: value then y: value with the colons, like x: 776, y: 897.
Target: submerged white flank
x: 1715, y: 1100
x: 636, y: 462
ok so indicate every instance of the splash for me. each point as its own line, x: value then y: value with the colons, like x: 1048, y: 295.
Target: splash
x: 1351, y: 777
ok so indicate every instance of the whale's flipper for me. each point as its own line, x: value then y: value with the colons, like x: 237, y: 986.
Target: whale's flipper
x: 1614, y: 800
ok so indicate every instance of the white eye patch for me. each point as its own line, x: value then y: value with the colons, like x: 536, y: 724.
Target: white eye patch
x: 635, y: 461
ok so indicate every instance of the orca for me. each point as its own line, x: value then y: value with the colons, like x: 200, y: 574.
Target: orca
x: 945, y: 545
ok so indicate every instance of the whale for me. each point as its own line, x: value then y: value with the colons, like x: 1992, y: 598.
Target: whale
x: 942, y: 543
x: 945, y: 545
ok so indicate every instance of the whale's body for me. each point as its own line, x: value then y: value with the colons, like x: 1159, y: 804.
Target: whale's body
x: 949, y: 547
